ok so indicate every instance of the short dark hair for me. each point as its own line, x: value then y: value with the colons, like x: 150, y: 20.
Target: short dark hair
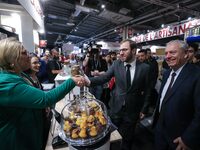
x: 113, y: 53
x: 195, y: 46
x: 148, y: 49
x: 133, y: 44
x: 143, y: 51
x: 197, y: 56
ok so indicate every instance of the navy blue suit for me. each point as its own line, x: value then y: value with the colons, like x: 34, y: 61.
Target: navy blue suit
x: 181, y: 111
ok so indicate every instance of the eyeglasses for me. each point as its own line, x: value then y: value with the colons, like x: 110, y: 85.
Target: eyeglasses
x: 123, y: 49
x: 191, y: 51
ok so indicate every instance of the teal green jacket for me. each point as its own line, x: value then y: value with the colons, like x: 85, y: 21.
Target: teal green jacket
x: 20, y: 111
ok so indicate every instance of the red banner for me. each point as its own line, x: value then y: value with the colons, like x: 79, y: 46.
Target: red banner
x: 166, y: 32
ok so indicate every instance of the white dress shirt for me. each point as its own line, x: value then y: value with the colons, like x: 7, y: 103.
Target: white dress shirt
x: 167, y: 84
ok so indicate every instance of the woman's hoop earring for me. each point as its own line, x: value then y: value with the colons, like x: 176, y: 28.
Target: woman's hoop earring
x: 12, y: 65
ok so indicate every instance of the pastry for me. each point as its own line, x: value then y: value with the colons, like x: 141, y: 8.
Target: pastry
x: 82, y: 133
x: 93, y: 131
x: 75, y: 133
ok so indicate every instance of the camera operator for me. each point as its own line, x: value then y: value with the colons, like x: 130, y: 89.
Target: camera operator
x: 94, y: 66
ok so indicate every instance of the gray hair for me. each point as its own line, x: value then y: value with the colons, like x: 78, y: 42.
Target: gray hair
x: 182, y: 44
x: 10, y: 49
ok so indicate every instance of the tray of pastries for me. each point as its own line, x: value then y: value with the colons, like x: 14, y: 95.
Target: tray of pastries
x: 84, y: 122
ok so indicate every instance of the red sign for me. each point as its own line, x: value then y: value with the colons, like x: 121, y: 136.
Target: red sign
x: 166, y: 32
x: 43, y: 43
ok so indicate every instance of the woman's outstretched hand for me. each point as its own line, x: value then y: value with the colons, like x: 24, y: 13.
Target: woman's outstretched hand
x: 79, y: 80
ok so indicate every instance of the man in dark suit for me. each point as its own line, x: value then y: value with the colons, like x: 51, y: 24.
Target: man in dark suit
x: 131, y: 90
x: 178, y: 112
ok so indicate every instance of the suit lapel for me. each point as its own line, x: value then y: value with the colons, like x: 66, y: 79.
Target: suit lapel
x: 180, y: 79
x: 122, y: 72
x: 156, y: 111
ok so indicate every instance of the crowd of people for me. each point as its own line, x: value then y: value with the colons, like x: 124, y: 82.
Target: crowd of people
x: 124, y: 80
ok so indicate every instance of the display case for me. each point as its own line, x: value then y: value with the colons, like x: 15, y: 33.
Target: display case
x: 192, y: 35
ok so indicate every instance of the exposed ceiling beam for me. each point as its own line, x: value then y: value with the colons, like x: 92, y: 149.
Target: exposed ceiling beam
x: 64, y: 34
x: 161, y: 15
x: 93, y: 33
x: 173, y: 6
x: 155, y: 13
x: 83, y: 20
x: 57, y: 17
x: 75, y: 36
x: 136, y: 20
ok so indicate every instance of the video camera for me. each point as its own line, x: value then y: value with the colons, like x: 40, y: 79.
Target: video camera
x: 94, y: 49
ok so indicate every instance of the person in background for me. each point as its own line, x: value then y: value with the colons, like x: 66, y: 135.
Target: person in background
x: 113, y: 56
x: 46, y: 57
x: 144, y: 56
x: 62, y: 58
x: 30, y: 76
x: 192, y: 50
x: 131, y: 90
x: 42, y: 74
x: 154, y: 68
x: 47, y: 53
x: 96, y: 66
x: 54, y: 67
x: 196, y: 59
x: 165, y: 67
x: 177, y: 115
x: 118, y: 55
x: 21, y: 118
x: 33, y: 70
x: 108, y: 60
x: 106, y: 88
x: 72, y: 60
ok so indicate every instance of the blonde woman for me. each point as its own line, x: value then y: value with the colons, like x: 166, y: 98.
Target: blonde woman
x: 21, y: 127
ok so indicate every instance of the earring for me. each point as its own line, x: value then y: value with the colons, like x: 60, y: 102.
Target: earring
x: 12, y: 65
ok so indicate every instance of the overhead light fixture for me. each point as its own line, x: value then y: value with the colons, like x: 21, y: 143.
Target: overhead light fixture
x: 70, y: 24
x: 189, y: 18
x: 103, y: 6
x: 69, y: 42
x: 162, y: 25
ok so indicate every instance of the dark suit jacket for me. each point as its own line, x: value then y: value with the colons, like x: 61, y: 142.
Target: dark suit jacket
x: 182, y: 107
x: 135, y: 96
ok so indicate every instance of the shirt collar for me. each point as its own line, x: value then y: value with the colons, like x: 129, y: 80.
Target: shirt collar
x: 133, y: 63
x: 177, y: 71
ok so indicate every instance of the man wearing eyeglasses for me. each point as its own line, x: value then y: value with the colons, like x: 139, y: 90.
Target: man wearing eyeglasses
x: 131, y: 91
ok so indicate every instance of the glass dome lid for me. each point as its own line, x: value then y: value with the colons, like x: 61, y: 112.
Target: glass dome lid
x: 84, y: 122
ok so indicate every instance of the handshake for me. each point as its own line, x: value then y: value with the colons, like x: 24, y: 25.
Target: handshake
x: 81, y: 80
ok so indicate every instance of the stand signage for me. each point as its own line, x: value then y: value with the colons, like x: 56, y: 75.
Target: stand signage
x: 167, y: 32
